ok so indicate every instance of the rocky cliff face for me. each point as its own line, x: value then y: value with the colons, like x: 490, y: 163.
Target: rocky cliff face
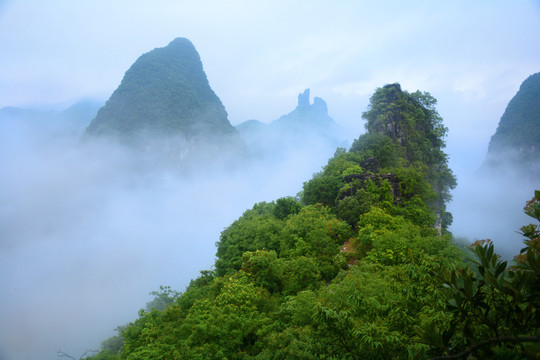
x: 165, y: 107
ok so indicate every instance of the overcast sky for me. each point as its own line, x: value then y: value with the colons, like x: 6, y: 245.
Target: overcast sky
x: 471, y: 56
x: 259, y: 55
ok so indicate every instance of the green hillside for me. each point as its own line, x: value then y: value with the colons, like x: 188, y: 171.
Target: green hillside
x: 165, y: 103
x: 358, y: 266
x: 518, y: 132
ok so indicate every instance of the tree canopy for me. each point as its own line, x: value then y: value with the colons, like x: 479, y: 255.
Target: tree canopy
x: 355, y: 267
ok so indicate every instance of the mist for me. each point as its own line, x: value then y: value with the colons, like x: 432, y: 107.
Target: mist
x: 488, y: 204
x: 87, y: 234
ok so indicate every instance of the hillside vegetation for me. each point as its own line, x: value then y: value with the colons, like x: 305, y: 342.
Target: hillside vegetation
x: 165, y: 90
x: 165, y: 108
x: 517, y: 138
x: 359, y: 266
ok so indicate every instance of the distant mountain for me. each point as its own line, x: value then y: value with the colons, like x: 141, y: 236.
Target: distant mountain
x: 308, y: 117
x: 81, y: 113
x: 69, y: 121
x: 306, y: 126
x: 165, y: 107
x: 26, y: 114
x: 517, y: 138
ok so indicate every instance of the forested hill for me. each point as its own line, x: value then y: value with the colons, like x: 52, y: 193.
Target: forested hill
x: 165, y: 103
x: 359, y: 266
x: 517, y: 138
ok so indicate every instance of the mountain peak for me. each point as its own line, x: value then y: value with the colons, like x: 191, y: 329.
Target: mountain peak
x: 317, y: 109
x: 165, y: 94
x: 519, y: 127
x: 181, y: 41
x: 303, y: 100
x: 166, y: 89
x: 516, y: 140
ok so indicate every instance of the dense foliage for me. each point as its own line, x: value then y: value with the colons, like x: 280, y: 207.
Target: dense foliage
x: 405, y: 138
x: 415, y: 127
x: 355, y: 268
x: 492, y: 311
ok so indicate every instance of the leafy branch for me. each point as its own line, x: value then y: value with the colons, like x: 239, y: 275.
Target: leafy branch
x: 501, y: 339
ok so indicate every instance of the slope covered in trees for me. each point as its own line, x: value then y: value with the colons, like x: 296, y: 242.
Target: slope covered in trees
x: 517, y: 138
x: 519, y: 127
x: 165, y: 106
x: 356, y: 267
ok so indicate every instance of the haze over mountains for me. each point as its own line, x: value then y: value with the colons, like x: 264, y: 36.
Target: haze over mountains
x: 510, y: 171
x: 165, y: 108
x: 67, y: 204
x: 517, y: 139
x: 71, y: 197
x: 72, y: 120
x: 164, y: 113
x: 306, y: 126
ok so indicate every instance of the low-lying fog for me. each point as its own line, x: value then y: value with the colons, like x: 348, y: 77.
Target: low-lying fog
x: 489, y: 206
x: 85, y: 236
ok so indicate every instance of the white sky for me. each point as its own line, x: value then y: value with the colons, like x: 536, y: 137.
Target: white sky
x: 259, y: 55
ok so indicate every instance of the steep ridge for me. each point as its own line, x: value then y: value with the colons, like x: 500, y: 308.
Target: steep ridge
x: 282, y: 286
x: 517, y: 138
x: 165, y: 107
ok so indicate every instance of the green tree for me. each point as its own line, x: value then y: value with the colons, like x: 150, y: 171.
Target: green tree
x: 231, y: 325
x: 315, y: 232
x: 162, y: 298
x: 256, y: 229
x: 493, y: 307
x: 378, y: 145
x: 322, y: 189
x: 285, y: 206
x: 413, y: 124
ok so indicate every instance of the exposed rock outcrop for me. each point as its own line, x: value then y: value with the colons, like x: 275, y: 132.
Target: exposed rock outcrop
x: 371, y: 172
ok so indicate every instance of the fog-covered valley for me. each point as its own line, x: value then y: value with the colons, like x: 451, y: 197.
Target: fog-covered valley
x: 89, y: 227
x: 86, y: 235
